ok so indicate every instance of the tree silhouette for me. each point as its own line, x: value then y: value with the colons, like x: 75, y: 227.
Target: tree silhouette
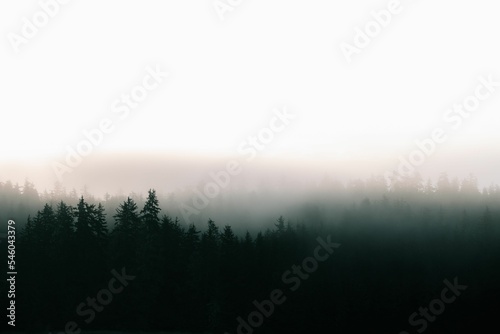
x: 149, y: 214
x: 397, y: 246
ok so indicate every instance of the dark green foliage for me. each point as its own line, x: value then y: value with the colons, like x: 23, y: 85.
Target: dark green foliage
x: 149, y: 214
x: 397, y: 248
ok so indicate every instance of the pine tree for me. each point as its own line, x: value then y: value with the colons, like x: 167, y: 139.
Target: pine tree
x: 98, y: 225
x: 65, y: 222
x: 44, y: 224
x: 65, y: 257
x: 127, y: 219
x: 229, y: 242
x: 149, y: 214
x: 280, y: 225
x: 83, y: 214
x: 124, y: 238
x: 27, y: 234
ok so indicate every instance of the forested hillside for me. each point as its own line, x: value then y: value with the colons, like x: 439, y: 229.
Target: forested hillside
x: 385, y: 253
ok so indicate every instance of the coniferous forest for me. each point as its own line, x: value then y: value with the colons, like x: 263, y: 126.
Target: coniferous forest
x: 249, y: 167
x: 362, y: 257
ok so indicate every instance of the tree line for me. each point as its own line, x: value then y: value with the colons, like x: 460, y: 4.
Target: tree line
x: 396, y: 251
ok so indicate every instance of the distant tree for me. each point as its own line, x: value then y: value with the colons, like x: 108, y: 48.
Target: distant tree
x: 127, y: 218
x: 191, y: 240
x: 65, y: 222
x: 470, y: 185
x: 89, y: 251
x: 208, y: 267
x: 149, y: 214
x: 40, y: 262
x: 65, y: 256
x: 455, y: 186
x: 211, y: 237
x: 98, y: 224
x: 45, y: 224
x: 443, y: 184
x: 417, y: 183
x: 27, y: 234
x: 124, y: 237
x: 30, y: 197
x: 229, y: 241
x: 73, y: 195
x: 83, y: 213
x: 429, y: 188
x: 172, y: 239
x: 280, y: 225
x: 58, y: 192
x: 228, y: 294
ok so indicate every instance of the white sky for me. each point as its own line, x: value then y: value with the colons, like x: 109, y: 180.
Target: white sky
x: 227, y: 76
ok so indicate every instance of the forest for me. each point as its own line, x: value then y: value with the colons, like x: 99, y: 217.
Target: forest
x: 364, y: 256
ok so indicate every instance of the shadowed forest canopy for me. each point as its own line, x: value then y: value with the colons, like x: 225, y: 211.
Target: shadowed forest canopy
x: 398, y: 244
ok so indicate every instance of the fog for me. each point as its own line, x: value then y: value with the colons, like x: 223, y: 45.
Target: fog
x: 161, y: 109
x: 207, y: 148
x: 249, y: 195
x: 136, y: 171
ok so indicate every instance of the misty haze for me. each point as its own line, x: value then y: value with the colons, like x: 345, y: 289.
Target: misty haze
x: 249, y: 167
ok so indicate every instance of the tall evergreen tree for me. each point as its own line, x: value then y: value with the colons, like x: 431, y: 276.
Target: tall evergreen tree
x: 83, y: 214
x: 125, y: 235
x: 149, y: 214
x: 65, y: 222
x: 127, y: 219
x: 98, y: 225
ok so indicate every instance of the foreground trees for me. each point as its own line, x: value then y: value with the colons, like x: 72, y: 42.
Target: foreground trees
x: 186, y: 279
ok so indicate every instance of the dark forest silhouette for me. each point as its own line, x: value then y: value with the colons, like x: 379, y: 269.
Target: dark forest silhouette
x: 399, y: 243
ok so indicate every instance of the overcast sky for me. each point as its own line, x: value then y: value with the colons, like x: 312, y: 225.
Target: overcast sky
x: 230, y: 71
